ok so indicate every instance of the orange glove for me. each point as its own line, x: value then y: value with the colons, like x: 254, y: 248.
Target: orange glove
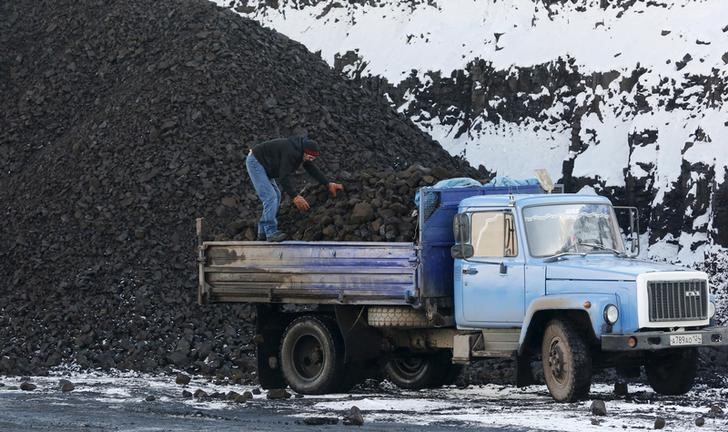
x: 333, y: 188
x: 301, y: 203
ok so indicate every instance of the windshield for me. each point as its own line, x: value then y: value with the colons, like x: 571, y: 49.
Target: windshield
x: 572, y: 228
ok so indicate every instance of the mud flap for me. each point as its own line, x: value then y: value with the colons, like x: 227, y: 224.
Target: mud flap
x: 524, y: 372
x: 363, y: 345
x: 269, y: 327
x: 362, y: 341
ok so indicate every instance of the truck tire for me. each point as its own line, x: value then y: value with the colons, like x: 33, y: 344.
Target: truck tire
x: 672, y: 372
x: 415, y: 371
x: 312, y: 355
x: 396, y: 316
x: 567, y: 363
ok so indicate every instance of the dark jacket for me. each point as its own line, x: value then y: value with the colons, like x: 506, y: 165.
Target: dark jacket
x: 281, y: 157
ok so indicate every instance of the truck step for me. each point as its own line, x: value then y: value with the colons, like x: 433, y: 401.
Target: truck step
x: 500, y: 340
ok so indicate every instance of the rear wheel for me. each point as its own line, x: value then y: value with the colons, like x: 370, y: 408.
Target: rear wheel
x: 672, y: 372
x: 312, y: 355
x: 567, y: 364
x: 417, y: 371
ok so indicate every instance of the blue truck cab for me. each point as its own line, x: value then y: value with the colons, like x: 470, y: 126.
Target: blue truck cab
x: 555, y: 267
x: 508, y: 272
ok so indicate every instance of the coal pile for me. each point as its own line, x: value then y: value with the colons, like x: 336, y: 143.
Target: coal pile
x: 374, y: 206
x: 120, y: 123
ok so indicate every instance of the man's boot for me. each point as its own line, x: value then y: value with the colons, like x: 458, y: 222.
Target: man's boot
x: 277, y: 236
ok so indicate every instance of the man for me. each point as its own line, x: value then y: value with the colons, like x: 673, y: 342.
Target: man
x: 278, y: 159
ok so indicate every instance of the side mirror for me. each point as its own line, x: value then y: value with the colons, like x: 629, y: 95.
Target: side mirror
x: 461, y: 228
x: 629, y: 224
x: 462, y: 251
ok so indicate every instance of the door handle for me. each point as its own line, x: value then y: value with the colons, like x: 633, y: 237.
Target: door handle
x: 470, y: 271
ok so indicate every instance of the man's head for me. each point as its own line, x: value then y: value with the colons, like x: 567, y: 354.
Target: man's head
x: 310, y: 150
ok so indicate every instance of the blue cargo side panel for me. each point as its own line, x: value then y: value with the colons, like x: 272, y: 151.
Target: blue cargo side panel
x: 309, y: 272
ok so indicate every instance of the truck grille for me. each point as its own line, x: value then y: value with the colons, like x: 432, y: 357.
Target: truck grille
x: 678, y: 300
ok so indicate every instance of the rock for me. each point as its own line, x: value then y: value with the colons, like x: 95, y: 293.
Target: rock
x: 182, y: 379
x: 659, y: 423
x: 237, y: 397
x: 186, y: 394
x: 700, y: 421
x: 229, y: 201
x: 318, y: 421
x: 354, y: 417
x: 179, y: 358
x: 66, y: 386
x: 598, y: 408
x: 256, y: 391
x: 362, y: 213
x: 715, y: 411
x: 278, y: 394
x: 217, y: 395
x: 150, y: 398
x: 199, y: 394
x: 26, y: 386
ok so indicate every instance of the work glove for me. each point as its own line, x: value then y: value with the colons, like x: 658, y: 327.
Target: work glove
x: 333, y: 188
x: 301, y: 203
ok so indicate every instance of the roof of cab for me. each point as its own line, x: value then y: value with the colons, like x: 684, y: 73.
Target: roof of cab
x: 531, y: 199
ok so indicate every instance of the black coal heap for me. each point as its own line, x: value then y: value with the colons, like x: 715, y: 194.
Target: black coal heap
x: 120, y: 123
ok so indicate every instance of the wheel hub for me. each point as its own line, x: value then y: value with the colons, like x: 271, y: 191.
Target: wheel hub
x: 308, y: 357
x: 409, y: 367
x: 556, y: 360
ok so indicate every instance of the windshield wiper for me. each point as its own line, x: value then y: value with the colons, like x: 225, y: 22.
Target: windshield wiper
x: 556, y: 257
x: 583, y: 254
x: 602, y: 247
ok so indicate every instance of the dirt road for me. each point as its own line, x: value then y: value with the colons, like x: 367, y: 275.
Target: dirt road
x: 135, y: 402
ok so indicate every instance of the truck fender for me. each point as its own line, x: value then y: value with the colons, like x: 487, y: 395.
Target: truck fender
x: 569, y: 305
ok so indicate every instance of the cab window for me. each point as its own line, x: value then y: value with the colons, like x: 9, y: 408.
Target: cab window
x: 493, y: 234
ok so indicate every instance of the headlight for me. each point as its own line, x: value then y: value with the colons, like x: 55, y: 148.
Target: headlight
x: 711, y: 309
x: 611, y: 314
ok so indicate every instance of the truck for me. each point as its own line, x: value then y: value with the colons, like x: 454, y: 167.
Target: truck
x: 495, y: 272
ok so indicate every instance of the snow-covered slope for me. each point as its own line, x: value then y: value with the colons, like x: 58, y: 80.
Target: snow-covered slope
x: 628, y: 97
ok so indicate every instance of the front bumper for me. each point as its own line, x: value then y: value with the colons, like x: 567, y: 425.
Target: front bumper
x: 656, y: 340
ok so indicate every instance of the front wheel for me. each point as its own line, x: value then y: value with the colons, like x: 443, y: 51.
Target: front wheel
x: 567, y: 363
x: 672, y: 372
x: 312, y: 356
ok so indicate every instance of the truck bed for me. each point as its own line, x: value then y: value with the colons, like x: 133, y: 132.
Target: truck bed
x: 307, y: 272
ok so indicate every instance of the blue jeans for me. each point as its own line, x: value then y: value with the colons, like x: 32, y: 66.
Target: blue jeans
x: 269, y: 194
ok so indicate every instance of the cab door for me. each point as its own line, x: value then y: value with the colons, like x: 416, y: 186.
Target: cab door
x: 493, y: 282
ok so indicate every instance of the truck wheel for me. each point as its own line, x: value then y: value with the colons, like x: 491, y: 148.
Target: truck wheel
x: 567, y: 364
x: 672, y: 372
x: 312, y: 355
x: 414, y: 371
x: 396, y: 316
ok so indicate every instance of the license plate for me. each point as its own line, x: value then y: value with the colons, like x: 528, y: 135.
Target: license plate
x: 687, y: 339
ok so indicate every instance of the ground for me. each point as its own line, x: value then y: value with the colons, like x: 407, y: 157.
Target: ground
x: 136, y: 402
